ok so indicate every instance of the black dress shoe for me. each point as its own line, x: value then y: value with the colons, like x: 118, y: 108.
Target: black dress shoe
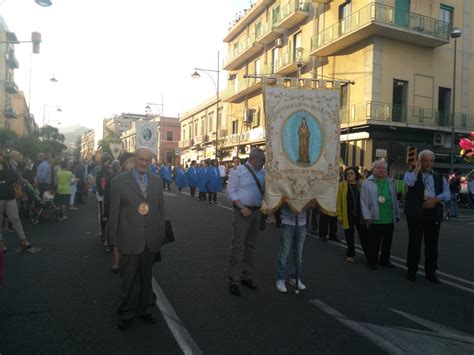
x: 432, y: 278
x: 149, y: 318
x: 249, y: 283
x: 372, y: 266
x: 234, y: 289
x: 323, y: 239
x: 410, y: 276
x: 334, y: 239
x: 124, y: 324
x: 115, y: 270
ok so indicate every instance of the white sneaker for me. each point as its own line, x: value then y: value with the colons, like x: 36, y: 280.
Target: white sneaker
x: 281, y: 287
x: 301, y: 286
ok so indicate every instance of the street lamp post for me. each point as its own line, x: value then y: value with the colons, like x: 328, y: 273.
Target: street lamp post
x: 455, y: 34
x: 58, y: 109
x: 196, y: 75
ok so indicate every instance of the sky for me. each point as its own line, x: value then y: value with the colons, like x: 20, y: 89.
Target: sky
x: 114, y: 56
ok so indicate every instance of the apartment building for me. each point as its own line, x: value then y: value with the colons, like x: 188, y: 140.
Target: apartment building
x: 398, y: 53
x: 168, y: 135
x: 24, y: 123
x: 118, y: 124
x: 198, y: 131
x: 8, y: 64
x: 88, y: 145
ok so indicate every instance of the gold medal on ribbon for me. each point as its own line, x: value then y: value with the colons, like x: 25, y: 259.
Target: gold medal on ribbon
x: 381, y: 199
x: 143, y: 208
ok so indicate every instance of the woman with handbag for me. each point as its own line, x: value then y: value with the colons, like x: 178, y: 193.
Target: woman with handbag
x: 8, y: 203
x: 349, y: 213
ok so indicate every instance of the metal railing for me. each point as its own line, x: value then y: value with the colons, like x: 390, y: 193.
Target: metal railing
x: 404, y: 114
x: 241, y: 48
x: 289, y: 9
x: 290, y: 57
x: 376, y: 12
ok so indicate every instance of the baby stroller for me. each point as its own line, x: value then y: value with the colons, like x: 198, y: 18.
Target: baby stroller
x: 44, y: 207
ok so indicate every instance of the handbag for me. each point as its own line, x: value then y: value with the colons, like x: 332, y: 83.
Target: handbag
x: 18, y: 191
x: 169, y: 235
x: 263, y: 216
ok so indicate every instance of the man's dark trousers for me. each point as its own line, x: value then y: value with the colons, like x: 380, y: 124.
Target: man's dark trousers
x: 327, y: 222
x: 136, y: 272
x: 418, y: 227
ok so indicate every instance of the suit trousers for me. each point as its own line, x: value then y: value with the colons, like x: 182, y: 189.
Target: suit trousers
x: 379, y: 234
x: 418, y: 228
x: 327, y: 222
x: 193, y: 191
x: 242, y: 250
x: 136, y: 272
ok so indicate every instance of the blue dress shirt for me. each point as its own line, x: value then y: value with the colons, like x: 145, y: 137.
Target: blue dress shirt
x: 242, y: 186
x: 428, y: 181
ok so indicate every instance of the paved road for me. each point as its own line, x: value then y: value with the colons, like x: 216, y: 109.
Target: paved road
x: 62, y: 299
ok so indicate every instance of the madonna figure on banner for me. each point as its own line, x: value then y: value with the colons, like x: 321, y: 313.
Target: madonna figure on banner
x: 303, y: 134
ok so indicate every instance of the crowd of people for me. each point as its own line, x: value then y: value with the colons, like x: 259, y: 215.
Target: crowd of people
x: 48, y: 187
x: 129, y: 193
x: 367, y: 205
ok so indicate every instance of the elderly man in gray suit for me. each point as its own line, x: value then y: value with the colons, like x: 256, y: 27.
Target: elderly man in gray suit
x: 137, y: 225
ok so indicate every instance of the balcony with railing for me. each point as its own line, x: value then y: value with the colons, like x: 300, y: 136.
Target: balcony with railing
x: 244, y: 51
x: 11, y: 60
x: 268, y: 33
x: 380, y: 20
x: 241, y: 88
x: 10, y: 112
x: 290, y: 14
x: 11, y: 87
x: 289, y: 61
x: 409, y: 116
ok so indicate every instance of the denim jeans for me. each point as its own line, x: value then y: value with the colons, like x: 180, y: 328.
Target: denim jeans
x: 286, y: 243
x: 454, y: 205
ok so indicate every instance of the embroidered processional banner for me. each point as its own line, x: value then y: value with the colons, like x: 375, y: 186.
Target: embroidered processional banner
x: 302, y: 148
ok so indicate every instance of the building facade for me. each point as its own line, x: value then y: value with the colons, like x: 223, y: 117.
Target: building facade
x: 118, y: 124
x: 25, y: 123
x: 8, y: 87
x: 398, y: 53
x: 168, y: 137
x: 88, y: 145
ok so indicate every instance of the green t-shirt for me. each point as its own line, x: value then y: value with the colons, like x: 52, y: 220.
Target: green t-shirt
x: 386, y: 208
x: 64, y: 182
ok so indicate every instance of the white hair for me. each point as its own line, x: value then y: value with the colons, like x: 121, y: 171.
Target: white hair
x: 426, y: 152
x: 377, y: 162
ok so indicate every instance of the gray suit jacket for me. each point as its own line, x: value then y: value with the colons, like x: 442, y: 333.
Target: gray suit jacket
x: 130, y: 230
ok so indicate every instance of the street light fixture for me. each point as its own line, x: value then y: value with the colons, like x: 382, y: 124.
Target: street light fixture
x: 196, y: 75
x: 44, y: 3
x: 455, y: 34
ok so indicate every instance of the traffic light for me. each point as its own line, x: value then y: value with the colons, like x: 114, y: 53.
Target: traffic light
x: 411, y: 154
x: 36, y: 39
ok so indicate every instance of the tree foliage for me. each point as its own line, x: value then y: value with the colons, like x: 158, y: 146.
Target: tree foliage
x: 46, y: 140
x: 104, y: 143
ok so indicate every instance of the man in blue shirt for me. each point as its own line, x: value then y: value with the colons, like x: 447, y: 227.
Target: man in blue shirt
x: 246, y: 196
x: 44, y: 175
x: 424, y: 205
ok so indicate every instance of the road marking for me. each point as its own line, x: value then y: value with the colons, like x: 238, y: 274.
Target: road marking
x: 225, y: 207
x: 461, y: 287
x: 400, y: 340
x: 358, y: 328
x: 182, y: 336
